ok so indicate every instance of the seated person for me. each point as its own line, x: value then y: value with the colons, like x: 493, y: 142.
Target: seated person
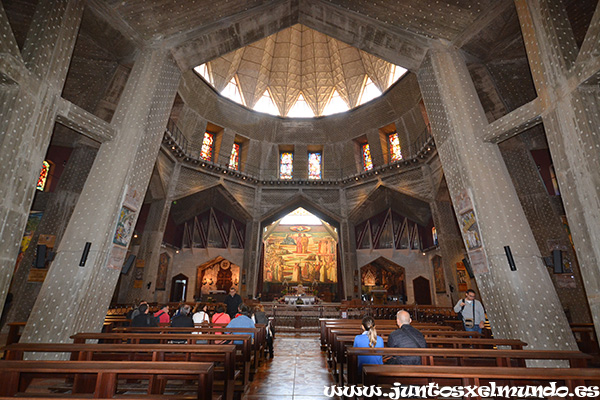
x: 201, y: 314
x: 242, y: 321
x: 144, y: 320
x: 163, y: 315
x: 406, y: 336
x: 368, y: 338
x: 182, y: 320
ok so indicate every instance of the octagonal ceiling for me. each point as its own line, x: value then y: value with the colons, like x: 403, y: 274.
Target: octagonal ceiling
x: 300, y: 63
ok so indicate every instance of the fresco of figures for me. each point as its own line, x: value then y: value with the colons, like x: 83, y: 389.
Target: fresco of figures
x: 300, y: 254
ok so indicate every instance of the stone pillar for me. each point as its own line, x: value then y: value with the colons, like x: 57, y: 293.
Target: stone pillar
x: 545, y: 223
x: 520, y: 303
x: 29, y: 98
x: 571, y: 120
x: 150, y: 248
x: 54, y: 221
x: 75, y: 299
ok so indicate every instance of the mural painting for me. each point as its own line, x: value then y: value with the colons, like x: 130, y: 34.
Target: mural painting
x: 305, y: 254
x: 438, y: 273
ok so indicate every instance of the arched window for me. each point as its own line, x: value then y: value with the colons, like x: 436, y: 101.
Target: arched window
x: 314, y: 165
x: 366, y: 157
x: 234, y: 159
x: 43, y: 178
x: 395, y: 149
x: 286, y: 167
x: 206, y: 152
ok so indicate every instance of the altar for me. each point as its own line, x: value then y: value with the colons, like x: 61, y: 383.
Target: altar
x: 292, y: 299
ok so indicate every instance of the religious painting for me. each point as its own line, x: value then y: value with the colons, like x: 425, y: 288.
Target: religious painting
x: 438, y: 274
x: 300, y: 254
x: 216, y: 276
x: 138, y: 273
x: 116, y: 257
x: 461, y: 276
x: 161, y: 275
x: 125, y: 227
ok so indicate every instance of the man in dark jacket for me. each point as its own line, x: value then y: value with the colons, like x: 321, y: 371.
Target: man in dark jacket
x: 144, y: 320
x: 405, y: 336
x: 233, y: 301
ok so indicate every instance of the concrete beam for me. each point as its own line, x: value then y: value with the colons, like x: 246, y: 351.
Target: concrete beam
x: 513, y: 123
x: 198, y: 46
x: 84, y: 122
x: 114, y: 19
x: 394, y: 45
x: 8, y: 44
x: 485, y: 18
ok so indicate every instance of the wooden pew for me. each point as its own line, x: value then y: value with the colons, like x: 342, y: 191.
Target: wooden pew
x: 379, y: 375
x: 258, y: 344
x: 107, y: 374
x: 466, y: 357
x: 344, y: 342
x: 333, y: 333
x: 163, y: 338
x: 14, y: 331
x: 224, y: 354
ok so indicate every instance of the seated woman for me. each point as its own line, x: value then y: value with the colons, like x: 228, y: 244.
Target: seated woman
x: 368, y: 338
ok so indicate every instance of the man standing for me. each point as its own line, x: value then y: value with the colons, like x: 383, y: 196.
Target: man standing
x: 233, y: 301
x: 406, y: 336
x: 473, y: 314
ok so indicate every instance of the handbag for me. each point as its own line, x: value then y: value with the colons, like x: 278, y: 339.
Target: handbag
x: 469, y: 322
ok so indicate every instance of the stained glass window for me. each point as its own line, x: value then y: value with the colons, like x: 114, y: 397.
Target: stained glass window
x: 366, y: 156
x: 434, y: 235
x: 41, y: 183
x: 314, y: 165
x: 395, y: 150
x: 286, y: 165
x: 234, y: 159
x: 207, y: 146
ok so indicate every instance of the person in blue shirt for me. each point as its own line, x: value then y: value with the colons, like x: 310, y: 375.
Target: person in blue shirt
x: 368, y: 338
x: 242, y: 321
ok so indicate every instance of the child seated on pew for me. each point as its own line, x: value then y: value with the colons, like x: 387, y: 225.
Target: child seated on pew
x: 368, y: 338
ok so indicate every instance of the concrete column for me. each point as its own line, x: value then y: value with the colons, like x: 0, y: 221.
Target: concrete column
x: 227, y: 140
x: 300, y: 161
x: 545, y: 223
x: 373, y: 137
x: 54, y: 221
x: 28, y: 109
x: 571, y: 121
x: 75, y: 299
x: 150, y: 247
x: 522, y: 303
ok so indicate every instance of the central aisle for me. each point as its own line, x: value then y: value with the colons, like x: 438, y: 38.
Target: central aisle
x: 297, y: 372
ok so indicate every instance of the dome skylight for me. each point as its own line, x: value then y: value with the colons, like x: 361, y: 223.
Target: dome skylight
x: 300, y: 73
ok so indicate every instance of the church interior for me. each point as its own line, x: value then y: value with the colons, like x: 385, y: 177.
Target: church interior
x: 326, y: 159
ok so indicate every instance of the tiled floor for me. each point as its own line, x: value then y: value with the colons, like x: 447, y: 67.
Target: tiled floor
x: 297, y: 372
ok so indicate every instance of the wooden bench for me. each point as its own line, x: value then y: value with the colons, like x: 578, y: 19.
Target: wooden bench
x: 380, y: 375
x: 224, y: 354
x: 14, y: 331
x: 13, y: 375
x: 344, y: 342
x: 466, y: 357
x: 245, y: 349
x: 258, y: 344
